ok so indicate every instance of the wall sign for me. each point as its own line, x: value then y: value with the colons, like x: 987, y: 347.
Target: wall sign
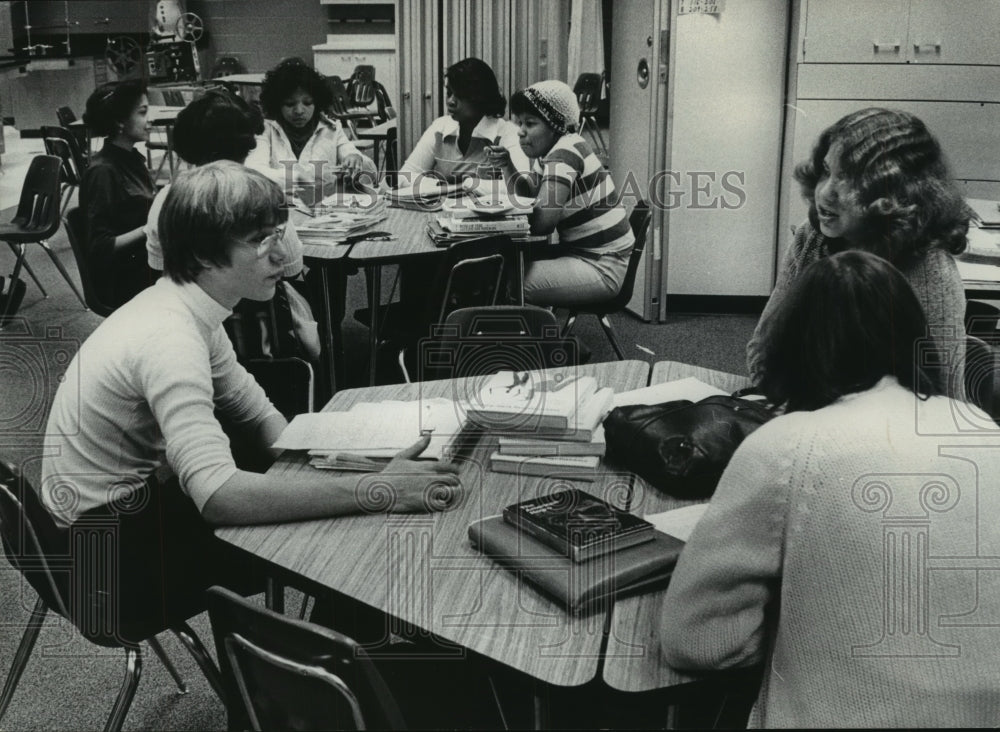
x: 703, y: 7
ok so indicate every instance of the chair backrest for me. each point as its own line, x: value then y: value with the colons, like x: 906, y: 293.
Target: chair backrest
x: 638, y: 221
x: 282, y: 673
x: 384, y: 104
x: 75, y: 222
x: 588, y: 92
x: 482, y: 340
x: 361, y: 86
x: 226, y: 65
x: 38, y: 207
x: 29, y: 536
x: 982, y: 375
x: 50, y: 132
x: 472, y: 273
x: 65, y: 116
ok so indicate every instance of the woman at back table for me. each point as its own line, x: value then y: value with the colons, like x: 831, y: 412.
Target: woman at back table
x: 456, y: 146
x: 116, y: 191
x: 877, y: 180
x: 813, y: 555
x: 300, y: 144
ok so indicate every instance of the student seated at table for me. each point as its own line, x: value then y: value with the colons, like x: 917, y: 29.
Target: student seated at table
x: 796, y: 562
x: 456, y: 146
x: 116, y: 191
x: 222, y: 126
x: 300, y: 144
x: 151, y: 377
x: 877, y: 180
x: 575, y: 197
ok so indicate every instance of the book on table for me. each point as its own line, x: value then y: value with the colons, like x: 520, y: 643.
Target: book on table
x: 577, y: 524
x: 498, y: 225
x: 577, y: 586
x: 586, y: 438
x: 539, y: 402
x: 576, y: 467
x: 371, y: 432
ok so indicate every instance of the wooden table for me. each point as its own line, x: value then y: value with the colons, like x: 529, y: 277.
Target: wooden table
x: 632, y: 661
x: 421, y: 569
x: 378, y: 134
x: 164, y: 117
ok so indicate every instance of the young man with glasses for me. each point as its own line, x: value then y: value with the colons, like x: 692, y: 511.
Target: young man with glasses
x: 135, y: 435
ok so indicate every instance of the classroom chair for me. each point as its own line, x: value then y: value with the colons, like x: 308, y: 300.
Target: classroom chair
x: 639, y: 222
x: 67, y: 120
x: 282, y: 673
x: 66, y: 569
x: 262, y: 340
x: 588, y: 90
x: 340, y: 110
x: 75, y: 223
x: 361, y: 86
x: 36, y: 220
x: 483, y: 340
x: 63, y: 145
x: 982, y: 376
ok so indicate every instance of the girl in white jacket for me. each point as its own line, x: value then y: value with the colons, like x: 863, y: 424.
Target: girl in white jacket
x: 300, y: 144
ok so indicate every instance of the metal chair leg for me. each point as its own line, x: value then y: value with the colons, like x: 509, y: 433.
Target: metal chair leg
x: 23, y: 654
x: 168, y: 664
x: 18, y: 250
x: 63, y: 272
x: 570, y: 322
x: 200, y: 654
x: 133, y: 671
x: 610, y: 333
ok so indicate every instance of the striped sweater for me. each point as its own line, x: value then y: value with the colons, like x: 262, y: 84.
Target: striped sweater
x: 593, y: 220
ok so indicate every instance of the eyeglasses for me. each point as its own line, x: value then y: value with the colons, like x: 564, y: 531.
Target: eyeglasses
x: 266, y: 245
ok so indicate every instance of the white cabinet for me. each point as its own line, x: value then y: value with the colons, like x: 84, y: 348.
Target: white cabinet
x: 340, y: 54
x: 946, y: 71
x: 901, y: 31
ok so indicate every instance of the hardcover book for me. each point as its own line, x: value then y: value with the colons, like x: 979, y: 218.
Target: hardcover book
x: 579, y: 467
x: 577, y: 586
x: 578, y: 525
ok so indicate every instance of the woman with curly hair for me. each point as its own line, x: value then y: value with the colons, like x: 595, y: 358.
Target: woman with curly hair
x: 878, y: 181
x: 116, y: 191
x: 300, y: 144
x: 457, y: 145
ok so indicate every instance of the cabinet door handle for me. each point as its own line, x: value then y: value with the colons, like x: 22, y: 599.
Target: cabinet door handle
x: 882, y: 46
x: 919, y: 46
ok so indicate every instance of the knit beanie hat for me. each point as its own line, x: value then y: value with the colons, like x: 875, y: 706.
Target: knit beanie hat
x: 556, y: 104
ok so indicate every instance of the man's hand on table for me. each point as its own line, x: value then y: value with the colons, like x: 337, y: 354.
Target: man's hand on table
x: 407, y: 485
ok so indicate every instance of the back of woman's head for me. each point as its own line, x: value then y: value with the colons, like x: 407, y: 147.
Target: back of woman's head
x: 849, y: 320
x: 217, y: 126
x: 288, y: 77
x: 473, y: 81
x: 901, y: 177
x: 111, y: 104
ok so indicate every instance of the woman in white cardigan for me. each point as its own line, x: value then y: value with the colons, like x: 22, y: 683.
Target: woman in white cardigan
x: 814, y: 554
x: 300, y: 144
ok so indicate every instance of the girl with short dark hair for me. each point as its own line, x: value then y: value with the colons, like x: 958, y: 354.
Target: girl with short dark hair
x: 116, y: 191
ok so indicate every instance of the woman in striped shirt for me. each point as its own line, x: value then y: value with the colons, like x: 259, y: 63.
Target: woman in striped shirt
x: 575, y: 197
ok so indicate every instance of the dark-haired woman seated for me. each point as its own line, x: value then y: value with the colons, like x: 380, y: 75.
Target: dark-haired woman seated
x: 457, y: 145
x: 878, y: 181
x: 300, y: 144
x: 813, y: 555
x: 116, y: 191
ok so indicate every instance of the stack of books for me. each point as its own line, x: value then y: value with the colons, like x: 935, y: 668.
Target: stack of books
x: 547, y: 425
x: 476, y: 215
x: 368, y: 435
x: 339, y: 217
x: 578, y: 548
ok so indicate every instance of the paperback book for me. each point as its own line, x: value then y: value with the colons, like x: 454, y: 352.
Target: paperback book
x: 577, y: 524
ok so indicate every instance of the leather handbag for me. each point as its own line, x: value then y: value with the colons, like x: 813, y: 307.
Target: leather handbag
x: 681, y: 447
